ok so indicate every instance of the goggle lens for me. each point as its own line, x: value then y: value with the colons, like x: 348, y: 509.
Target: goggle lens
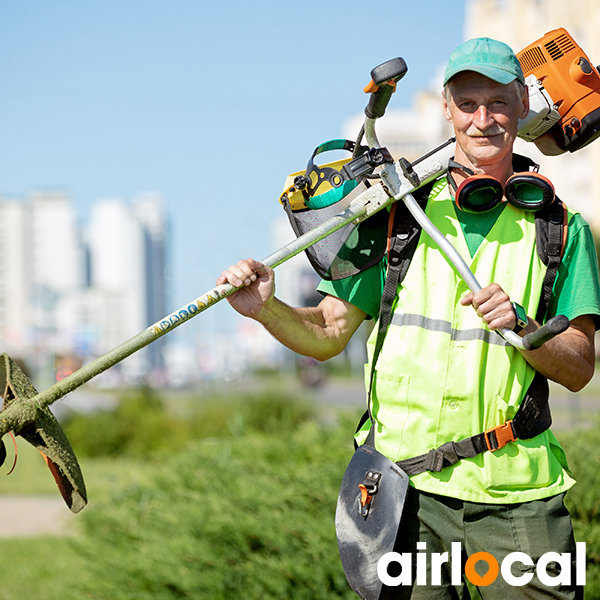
x: 482, y: 199
x: 529, y: 193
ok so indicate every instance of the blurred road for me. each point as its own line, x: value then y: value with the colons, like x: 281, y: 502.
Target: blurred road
x: 27, y: 516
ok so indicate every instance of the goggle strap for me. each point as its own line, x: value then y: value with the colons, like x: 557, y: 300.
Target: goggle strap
x: 452, y: 164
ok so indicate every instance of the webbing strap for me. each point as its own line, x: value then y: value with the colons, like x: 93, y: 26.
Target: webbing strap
x: 532, y: 418
x: 446, y: 455
x: 550, y: 225
x: 405, y: 236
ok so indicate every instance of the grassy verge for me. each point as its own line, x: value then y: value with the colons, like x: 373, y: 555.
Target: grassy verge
x: 245, y: 506
x: 583, y: 500
x: 37, y: 568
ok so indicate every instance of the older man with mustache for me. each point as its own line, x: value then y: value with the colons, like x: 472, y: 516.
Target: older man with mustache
x: 442, y: 376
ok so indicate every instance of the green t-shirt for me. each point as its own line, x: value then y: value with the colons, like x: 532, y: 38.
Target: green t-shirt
x: 576, y: 290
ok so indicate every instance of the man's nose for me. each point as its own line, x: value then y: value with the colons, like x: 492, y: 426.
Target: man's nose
x: 483, y: 117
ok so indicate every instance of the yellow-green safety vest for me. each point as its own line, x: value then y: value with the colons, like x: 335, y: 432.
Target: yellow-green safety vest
x: 443, y: 376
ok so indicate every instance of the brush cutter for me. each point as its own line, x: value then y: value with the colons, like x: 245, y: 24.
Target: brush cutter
x: 27, y: 412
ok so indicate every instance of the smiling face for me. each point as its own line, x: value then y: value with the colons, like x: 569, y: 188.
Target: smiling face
x: 485, y: 116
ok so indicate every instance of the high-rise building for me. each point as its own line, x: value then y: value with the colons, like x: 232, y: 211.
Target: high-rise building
x: 54, y: 265
x: 127, y: 245
x: 149, y: 211
x: 14, y: 290
x: 66, y: 295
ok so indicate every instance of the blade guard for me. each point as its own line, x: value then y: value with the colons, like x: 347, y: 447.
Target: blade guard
x: 366, y: 521
x: 46, y: 435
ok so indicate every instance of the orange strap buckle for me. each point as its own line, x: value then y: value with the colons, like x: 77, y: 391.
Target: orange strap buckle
x: 502, y: 435
x: 365, y: 497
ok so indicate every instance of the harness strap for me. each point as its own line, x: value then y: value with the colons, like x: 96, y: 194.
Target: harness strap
x: 403, y: 236
x: 550, y: 229
x: 532, y: 418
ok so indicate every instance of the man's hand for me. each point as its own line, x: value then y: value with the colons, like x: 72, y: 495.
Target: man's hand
x: 257, y: 283
x: 568, y: 359
x: 319, y: 331
x: 493, y: 305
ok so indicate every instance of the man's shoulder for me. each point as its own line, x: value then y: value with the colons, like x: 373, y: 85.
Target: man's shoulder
x: 576, y: 221
x: 577, y: 227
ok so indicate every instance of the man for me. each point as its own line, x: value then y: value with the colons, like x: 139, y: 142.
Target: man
x: 441, y: 375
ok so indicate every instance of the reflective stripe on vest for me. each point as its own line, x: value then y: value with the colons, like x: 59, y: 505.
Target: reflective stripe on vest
x: 463, y: 335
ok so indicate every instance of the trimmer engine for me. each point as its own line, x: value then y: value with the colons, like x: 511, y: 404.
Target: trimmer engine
x: 564, y: 91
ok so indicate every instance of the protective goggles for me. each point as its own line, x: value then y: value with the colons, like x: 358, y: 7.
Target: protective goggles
x: 527, y: 190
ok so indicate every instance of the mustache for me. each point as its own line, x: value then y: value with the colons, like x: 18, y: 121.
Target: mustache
x: 474, y: 131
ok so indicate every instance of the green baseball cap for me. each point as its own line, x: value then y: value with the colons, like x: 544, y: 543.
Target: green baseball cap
x: 489, y: 57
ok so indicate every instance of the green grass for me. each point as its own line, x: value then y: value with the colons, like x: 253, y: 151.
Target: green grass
x: 247, y: 509
x: 30, y: 475
x: 37, y: 568
x: 583, y: 500
x: 143, y: 424
x: 252, y: 514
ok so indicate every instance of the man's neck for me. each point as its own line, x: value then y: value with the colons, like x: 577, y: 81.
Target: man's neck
x: 499, y: 169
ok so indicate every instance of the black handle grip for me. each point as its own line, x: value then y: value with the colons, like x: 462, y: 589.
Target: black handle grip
x: 553, y: 327
x: 390, y: 71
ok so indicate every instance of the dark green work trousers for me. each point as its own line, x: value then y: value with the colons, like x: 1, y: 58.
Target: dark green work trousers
x: 533, y: 528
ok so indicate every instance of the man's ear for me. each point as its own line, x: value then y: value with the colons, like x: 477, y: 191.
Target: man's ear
x: 525, y: 101
x: 445, y: 108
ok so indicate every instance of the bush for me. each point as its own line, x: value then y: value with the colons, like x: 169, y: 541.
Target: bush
x: 249, y: 514
x: 142, y: 423
x: 583, y: 500
x: 247, y: 517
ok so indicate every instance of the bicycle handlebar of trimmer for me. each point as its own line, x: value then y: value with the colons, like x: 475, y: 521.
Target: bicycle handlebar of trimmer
x: 540, y: 336
x: 382, y: 85
x: 532, y: 340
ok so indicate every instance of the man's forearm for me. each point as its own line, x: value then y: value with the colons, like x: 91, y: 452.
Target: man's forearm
x: 568, y: 359
x: 321, y: 331
x: 314, y: 331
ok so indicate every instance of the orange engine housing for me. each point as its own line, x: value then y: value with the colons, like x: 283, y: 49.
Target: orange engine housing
x: 573, y: 84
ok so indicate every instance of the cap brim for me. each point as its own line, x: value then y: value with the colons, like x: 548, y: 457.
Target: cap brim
x: 498, y: 75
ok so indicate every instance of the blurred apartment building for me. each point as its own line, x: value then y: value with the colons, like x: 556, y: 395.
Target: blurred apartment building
x: 68, y: 293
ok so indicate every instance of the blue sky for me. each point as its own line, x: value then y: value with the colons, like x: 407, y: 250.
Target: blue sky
x: 211, y: 104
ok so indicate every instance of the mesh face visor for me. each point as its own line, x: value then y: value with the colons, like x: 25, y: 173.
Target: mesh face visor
x: 349, y: 250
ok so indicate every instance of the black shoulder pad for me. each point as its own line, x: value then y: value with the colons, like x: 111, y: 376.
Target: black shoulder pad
x: 550, y: 230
